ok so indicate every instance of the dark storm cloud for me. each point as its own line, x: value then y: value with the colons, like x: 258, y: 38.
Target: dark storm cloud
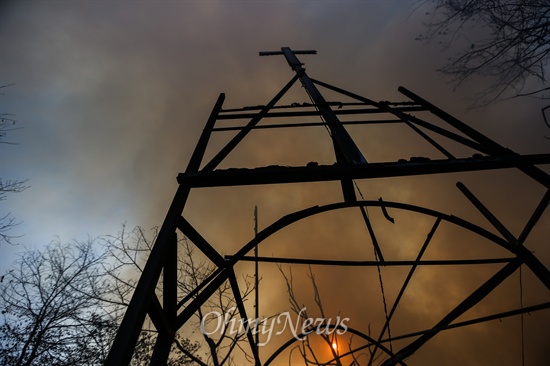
x: 114, y: 96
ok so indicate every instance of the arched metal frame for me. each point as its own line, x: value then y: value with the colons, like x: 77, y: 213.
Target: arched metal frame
x: 350, y: 165
x: 522, y: 254
x: 371, y: 341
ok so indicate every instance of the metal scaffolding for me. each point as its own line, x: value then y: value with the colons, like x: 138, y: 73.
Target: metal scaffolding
x: 350, y: 165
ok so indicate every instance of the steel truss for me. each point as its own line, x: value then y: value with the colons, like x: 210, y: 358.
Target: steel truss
x: 350, y: 165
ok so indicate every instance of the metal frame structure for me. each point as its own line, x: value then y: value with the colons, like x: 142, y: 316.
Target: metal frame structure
x: 350, y: 165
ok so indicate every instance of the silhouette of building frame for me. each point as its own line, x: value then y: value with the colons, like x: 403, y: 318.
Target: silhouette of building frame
x: 350, y: 165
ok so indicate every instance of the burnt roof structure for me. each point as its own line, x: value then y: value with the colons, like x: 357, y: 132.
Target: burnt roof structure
x: 350, y: 165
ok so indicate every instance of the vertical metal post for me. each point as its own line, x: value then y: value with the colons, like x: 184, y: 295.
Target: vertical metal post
x: 125, y: 341
x: 127, y: 335
x: 257, y: 279
x: 339, y: 133
x: 166, y: 336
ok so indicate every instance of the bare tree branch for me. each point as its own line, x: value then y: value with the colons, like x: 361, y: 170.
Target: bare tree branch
x: 507, y: 41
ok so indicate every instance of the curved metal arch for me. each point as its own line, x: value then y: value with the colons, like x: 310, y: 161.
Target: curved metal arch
x: 534, y: 264
x: 223, y: 273
x: 314, y: 210
x: 292, y: 340
x: 520, y: 251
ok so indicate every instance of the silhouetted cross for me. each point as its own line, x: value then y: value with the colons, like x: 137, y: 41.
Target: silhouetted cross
x: 346, y: 150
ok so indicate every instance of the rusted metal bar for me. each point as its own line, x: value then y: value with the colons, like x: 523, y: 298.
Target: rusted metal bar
x: 505, y: 314
x: 464, y: 306
x: 201, y: 298
x: 387, y: 263
x: 200, y: 149
x: 488, y: 215
x: 127, y: 335
x: 157, y: 316
x: 166, y: 334
x: 315, y: 210
x: 515, y: 246
x: 499, y: 316
x: 342, y: 139
x: 189, y: 231
x: 309, y: 124
x: 495, y: 149
x: 541, y: 207
x: 430, y: 140
x: 244, y: 318
x: 385, y: 107
x: 282, y: 174
x: 241, y: 134
x: 338, y: 112
x: 372, y: 235
x: 405, y: 284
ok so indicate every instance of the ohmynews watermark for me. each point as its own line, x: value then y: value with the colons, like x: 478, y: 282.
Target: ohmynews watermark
x: 300, y: 329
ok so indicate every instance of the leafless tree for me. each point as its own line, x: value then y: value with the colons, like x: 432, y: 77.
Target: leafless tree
x: 48, y: 315
x: 128, y: 252
x: 224, y: 347
x: 62, y: 305
x: 7, y: 221
x: 506, y: 40
x: 308, y: 352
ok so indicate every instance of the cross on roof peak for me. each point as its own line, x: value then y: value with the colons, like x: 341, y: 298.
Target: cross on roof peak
x: 290, y: 56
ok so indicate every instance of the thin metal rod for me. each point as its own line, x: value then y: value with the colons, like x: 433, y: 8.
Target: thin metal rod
x: 309, y: 124
x: 484, y: 319
x: 430, y: 140
x: 505, y: 314
x: 464, y: 306
x: 197, y: 289
x: 241, y: 134
x: 405, y: 284
x: 387, y: 263
x: 192, y: 234
x: 488, y: 215
x: 541, y: 207
x: 306, y: 105
x: 338, y: 112
x: 256, y: 277
x: 496, y: 149
x: 372, y: 236
x: 366, y: 337
x: 242, y: 311
x: 200, y: 149
x: 201, y: 298
x: 385, y: 107
x: 530, y: 260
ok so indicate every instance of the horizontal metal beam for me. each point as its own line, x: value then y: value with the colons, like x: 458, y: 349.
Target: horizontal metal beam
x: 309, y: 124
x: 338, y: 112
x: 499, y: 316
x: 473, y: 299
x: 336, y: 172
x: 298, y: 52
x: 484, y: 319
x: 327, y: 262
x: 295, y: 105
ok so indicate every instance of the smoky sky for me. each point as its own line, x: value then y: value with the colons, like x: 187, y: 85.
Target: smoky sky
x: 113, y: 97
